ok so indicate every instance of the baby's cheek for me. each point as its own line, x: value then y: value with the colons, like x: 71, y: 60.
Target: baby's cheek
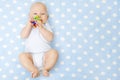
x: 44, y: 20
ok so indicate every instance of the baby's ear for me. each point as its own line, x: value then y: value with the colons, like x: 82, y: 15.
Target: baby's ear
x: 47, y: 16
x: 29, y: 15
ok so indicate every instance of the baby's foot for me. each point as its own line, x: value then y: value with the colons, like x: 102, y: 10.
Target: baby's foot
x: 46, y: 73
x: 35, y: 74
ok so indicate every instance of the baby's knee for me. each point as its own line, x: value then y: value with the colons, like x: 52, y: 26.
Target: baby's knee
x: 23, y: 55
x: 54, y: 52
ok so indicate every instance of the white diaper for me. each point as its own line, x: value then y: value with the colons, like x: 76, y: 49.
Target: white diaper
x: 38, y: 59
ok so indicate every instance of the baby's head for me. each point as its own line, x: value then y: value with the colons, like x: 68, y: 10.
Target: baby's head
x: 39, y: 9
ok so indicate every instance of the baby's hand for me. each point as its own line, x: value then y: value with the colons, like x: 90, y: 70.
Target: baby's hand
x: 39, y: 24
x: 32, y: 22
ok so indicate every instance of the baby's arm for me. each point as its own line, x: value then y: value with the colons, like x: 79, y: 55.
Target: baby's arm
x: 26, y: 30
x: 46, y: 34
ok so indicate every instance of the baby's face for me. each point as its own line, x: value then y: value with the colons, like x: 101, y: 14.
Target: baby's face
x: 40, y: 10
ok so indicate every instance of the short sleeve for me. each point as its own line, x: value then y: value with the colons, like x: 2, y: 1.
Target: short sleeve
x: 48, y: 27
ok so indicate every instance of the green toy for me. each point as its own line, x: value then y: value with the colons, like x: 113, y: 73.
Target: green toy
x: 36, y: 18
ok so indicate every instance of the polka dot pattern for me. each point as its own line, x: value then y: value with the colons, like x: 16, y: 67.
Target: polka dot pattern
x: 87, y: 35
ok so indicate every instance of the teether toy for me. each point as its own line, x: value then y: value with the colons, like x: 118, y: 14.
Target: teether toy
x: 36, y: 18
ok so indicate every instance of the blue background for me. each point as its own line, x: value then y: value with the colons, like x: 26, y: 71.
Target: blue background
x: 87, y: 37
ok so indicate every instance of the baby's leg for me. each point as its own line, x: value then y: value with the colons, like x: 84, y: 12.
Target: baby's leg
x: 50, y: 59
x: 27, y: 62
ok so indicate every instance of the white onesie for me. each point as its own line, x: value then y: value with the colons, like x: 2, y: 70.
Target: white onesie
x: 37, y: 45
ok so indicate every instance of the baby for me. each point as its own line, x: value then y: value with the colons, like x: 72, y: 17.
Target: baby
x: 38, y: 55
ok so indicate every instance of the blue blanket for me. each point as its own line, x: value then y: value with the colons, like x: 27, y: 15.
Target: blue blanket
x: 87, y: 37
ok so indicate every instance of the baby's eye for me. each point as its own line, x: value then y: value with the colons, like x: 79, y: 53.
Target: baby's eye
x: 42, y: 13
x: 35, y: 13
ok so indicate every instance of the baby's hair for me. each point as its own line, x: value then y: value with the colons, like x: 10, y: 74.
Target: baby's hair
x: 39, y: 3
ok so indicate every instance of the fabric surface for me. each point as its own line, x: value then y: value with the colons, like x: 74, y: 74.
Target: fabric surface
x: 87, y: 37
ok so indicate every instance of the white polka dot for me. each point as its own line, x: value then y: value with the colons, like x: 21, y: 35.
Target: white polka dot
x: 68, y: 33
x: 85, y: 76
x: 7, y: 5
x: 91, y: 23
x: 102, y: 73
x: 11, y: 71
x: 74, y: 4
x: 85, y: 65
x: 114, y: 63
x: 57, y: 44
x: 68, y: 21
x: 103, y: 13
x: 79, y: 58
x: 114, y: 15
x: 25, y: 4
x: 91, y: 72
x: 7, y: 64
x: 103, y: 1
x: 62, y: 39
x: 108, y: 56
x: 102, y: 61
x: 68, y: 45
x: 91, y: 12
x: 96, y: 42
x: 108, y: 68
x: 52, y: 3
x: 5, y: 16
x: 97, y: 6
x: 85, y: 17
x: 19, y: 8
x: 114, y: 50
x: 85, y: 28
x: 80, y: 10
x: 68, y: 57
x: 74, y: 16
x: 96, y: 30
x: 62, y: 62
x: 97, y: 54
x: 68, y: 10
x: 85, y: 52
x: 5, y: 46
x: 102, y: 25
x: 91, y: 59
x: 0, y: 69
x: 79, y: 70
x: 96, y: 66
x: 86, y: 4
x: 114, y: 75
x: 80, y: 34
x: 79, y: 46
x: 97, y: 18
x: 22, y: 73
x: 73, y: 27
x: 57, y: 10
x: 4, y: 76
x: 2, y: 57
x: 96, y: 78
x: 62, y: 75
x: 14, y: 59
x: 73, y: 63
x: 115, y: 3
x: 67, y: 69
x: 19, y: 66
x: 15, y: 78
x: 63, y: 3
x: 79, y: 22
x: 73, y: 51
x: 73, y: 75
x: 1, y: 9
